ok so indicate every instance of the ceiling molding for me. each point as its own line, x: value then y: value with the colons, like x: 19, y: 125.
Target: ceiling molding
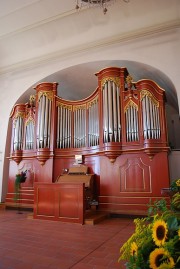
x: 38, y: 24
x: 148, y: 31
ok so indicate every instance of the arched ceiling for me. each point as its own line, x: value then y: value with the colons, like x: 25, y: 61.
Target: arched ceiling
x: 79, y: 81
x: 34, y: 25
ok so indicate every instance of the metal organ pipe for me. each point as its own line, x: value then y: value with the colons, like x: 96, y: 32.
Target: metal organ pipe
x: 151, y: 121
x: 115, y: 112
x: 46, y: 116
x: 93, y: 125
x: 58, y: 128
x: 105, y: 112
x: 18, y: 133
x: 38, y: 126
x: 16, y: 124
x: 41, y: 134
x: 89, y: 129
x: 75, y: 127
x: 29, y: 139
x: 32, y: 134
x: 118, y: 114
x: 111, y: 112
x: 84, y: 129
x: 44, y: 122
x: 70, y: 120
x: 97, y: 122
x: 49, y: 123
x: 144, y: 118
x: 110, y: 116
x: 131, y: 115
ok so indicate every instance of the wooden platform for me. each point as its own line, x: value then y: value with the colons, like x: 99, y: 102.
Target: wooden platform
x: 93, y: 217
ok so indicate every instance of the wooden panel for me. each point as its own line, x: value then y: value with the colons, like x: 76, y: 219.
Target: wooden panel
x: 61, y: 201
x: 45, y: 201
x: 135, y: 176
x: 70, y: 205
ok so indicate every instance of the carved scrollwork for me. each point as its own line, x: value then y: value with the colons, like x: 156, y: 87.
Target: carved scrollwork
x: 79, y: 107
x: 150, y: 95
x: 93, y: 102
x: 130, y: 104
x: 65, y: 106
x: 48, y: 94
x: 116, y: 80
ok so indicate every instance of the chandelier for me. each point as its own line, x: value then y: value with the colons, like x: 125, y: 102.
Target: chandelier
x: 96, y: 3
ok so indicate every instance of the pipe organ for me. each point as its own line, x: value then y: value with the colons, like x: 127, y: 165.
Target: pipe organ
x: 120, y: 130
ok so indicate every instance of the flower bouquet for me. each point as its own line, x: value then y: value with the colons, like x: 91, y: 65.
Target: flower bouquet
x: 156, y: 241
x: 20, y: 178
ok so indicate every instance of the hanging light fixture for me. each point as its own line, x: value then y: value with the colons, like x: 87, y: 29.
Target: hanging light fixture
x: 96, y: 3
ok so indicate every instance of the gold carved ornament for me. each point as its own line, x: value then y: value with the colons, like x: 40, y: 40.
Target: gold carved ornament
x: 64, y: 106
x: 93, y: 102
x: 129, y: 79
x: 48, y: 94
x: 116, y: 80
x: 32, y: 98
x: 29, y: 120
x: 150, y: 95
x: 79, y: 107
x: 18, y: 114
x: 130, y: 104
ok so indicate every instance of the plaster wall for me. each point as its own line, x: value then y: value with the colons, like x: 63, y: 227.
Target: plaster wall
x: 39, y: 50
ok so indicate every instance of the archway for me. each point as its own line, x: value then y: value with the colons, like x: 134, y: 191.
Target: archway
x: 79, y: 81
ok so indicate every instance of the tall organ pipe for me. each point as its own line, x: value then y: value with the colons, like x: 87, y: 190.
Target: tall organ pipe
x: 41, y: 135
x: 46, y: 122
x: 110, y: 116
x: 118, y: 115
x: 115, y: 112
x: 105, y: 112
x: 49, y: 123
x: 58, y: 128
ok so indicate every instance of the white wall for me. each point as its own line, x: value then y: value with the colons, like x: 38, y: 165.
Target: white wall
x: 174, y: 167
x: 152, y: 37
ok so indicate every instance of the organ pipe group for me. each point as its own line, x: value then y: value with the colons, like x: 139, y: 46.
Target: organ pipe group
x: 116, y: 112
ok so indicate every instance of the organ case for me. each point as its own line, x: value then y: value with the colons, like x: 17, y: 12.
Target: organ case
x: 120, y: 130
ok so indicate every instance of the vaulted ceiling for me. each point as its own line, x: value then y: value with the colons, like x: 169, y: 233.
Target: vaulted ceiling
x: 18, y: 17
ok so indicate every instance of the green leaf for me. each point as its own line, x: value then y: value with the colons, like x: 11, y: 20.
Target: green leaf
x: 172, y: 223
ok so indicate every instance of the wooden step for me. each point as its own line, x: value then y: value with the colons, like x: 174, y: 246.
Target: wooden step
x: 93, y: 217
x: 25, y: 198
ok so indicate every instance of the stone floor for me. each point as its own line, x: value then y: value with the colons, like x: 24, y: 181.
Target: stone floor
x: 26, y: 243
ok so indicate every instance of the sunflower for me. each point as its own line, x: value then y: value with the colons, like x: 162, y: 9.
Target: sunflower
x: 179, y: 233
x: 160, y: 259
x: 178, y: 182
x: 134, y: 249
x: 159, y: 232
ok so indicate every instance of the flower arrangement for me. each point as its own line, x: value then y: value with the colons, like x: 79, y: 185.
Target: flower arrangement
x: 156, y: 241
x: 175, y: 185
x: 20, y: 178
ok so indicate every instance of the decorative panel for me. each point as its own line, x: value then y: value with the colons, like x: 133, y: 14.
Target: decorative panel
x: 135, y: 176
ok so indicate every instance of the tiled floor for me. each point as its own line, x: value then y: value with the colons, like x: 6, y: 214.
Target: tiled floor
x: 26, y: 243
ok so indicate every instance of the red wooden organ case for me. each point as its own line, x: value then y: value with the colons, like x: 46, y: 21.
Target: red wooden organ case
x: 120, y: 131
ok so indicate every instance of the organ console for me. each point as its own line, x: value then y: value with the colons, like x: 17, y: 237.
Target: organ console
x: 79, y: 174
x: 120, y: 130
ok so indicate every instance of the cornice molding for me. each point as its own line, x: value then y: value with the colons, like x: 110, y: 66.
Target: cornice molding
x: 62, y: 54
x: 39, y: 23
